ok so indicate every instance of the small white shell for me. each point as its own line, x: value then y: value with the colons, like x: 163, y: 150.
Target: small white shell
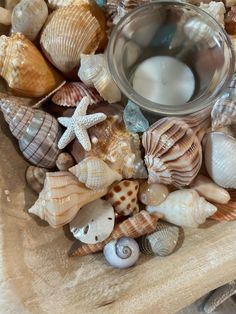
x: 121, y: 253
x: 219, y: 153
x: 94, y: 222
x: 152, y: 194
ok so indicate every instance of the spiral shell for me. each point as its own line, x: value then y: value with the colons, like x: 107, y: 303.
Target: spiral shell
x: 133, y: 227
x: 173, y: 153
x: 61, y: 198
x: 95, y: 173
x: 223, y: 113
x: 70, y: 31
x: 35, y: 178
x: 24, y: 67
x: 161, y: 242
x: 64, y: 161
x: 71, y: 93
x: 28, y: 17
x: 37, y: 132
x: 121, y: 253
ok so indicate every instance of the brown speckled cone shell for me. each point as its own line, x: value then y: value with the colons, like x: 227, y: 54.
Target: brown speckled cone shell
x: 173, y: 153
x: 37, y: 132
x: 133, y: 227
x: 69, y: 94
x: 70, y: 31
x: 24, y: 67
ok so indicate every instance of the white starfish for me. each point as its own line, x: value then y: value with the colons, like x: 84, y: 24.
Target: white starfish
x: 78, y: 124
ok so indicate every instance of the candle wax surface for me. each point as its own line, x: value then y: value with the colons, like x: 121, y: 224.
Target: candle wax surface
x: 164, y: 80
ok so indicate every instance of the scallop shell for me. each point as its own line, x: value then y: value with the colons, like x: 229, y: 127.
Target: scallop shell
x: 219, y: 152
x: 152, y: 194
x: 161, y: 242
x: 95, y: 173
x: 61, y: 198
x: 70, y: 31
x: 64, y: 161
x: 56, y: 4
x: 94, y: 222
x: 28, y: 17
x: 209, y: 190
x: 121, y: 253
x: 184, y: 208
x: 37, y: 132
x: 133, y: 227
x: 24, y: 68
x: 123, y: 197
x: 215, y: 9
x: 173, y: 153
x: 35, y: 177
x: 94, y: 72
x: 71, y: 93
x: 225, y: 212
x: 223, y: 113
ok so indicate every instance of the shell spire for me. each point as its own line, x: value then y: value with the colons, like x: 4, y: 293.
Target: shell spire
x: 133, y: 227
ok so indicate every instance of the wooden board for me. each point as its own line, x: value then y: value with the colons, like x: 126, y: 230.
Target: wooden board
x: 36, y: 276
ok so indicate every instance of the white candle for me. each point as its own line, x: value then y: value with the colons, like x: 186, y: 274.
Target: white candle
x: 164, y: 80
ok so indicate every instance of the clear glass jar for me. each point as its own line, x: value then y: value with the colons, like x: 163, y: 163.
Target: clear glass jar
x: 178, y: 30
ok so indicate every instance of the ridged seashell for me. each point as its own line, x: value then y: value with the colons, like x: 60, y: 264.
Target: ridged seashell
x: 124, y: 197
x: 112, y: 143
x: 94, y: 72
x: 225, y: 212
x: 209, y: 190
x: 94, y: 222
x: 24, y: 67
x: 173, y: 153
x: 121, y: 253
x: 10, y: 4
x: 64, y: 161
x: 35, y: 177
x: 28, y: 17
x: 56, y: 4
x: 161, y: 242
x: 223, y: 113
x: 215, y: 9
x: 184, y: 208
x: 61, y: 198
x: 70, y: 31
x: 152, y: 194
x: 95, y: 173
x: 133, y: 227
x: 71, y: 93
x: 37, y: 132
x: 219, y: 152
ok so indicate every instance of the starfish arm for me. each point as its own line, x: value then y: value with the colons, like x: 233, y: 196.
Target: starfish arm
x: 64, y: 121
x: 83, y: 137
x: 92, y: 119
x: 66, y: 138
x: 81, y: 108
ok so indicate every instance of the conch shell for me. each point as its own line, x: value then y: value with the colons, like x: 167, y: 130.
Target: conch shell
x: 24, y: 68
x: 184, y: 208
x: 37, y: 132
x: 61, y: 198
x: 173, y: 153
x: 28, y: 17
x: 70, y: 31
x: 95, y: 173
x: 35, y: 177
x: 94, y: 72
x: 133, y: 227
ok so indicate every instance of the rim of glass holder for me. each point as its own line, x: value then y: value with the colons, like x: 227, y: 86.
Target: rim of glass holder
x: 152, y: 107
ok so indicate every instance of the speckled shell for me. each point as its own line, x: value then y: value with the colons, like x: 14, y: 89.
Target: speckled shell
x: 184, y: 208
x: 24, y: 67
x: 215, y: 9
x: 64, y: 161
x: 133, y: 227
x: 28, y: 17
x: 152, y: 194
x: 70, y: 31
x: 219, y: 154
x: 35, y: 178
x: 94, y: 72
x: 121, y: 253
x: 61, y: 198
x: 95, y: 173
x: 123, y: 197
x: 112, y: 143
x: 71, y: 93
x: 161, y: 242
x: 37, y: 132
x: 173, y: 153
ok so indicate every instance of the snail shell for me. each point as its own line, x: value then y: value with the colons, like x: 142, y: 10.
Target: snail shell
x: 64, y: 161
x: 121, y: 253
x: 35, y: 178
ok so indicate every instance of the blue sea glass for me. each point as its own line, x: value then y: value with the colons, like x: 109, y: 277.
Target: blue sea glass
x: 134, y: 119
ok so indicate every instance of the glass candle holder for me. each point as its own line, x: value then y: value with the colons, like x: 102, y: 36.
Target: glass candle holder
x: 170, y: 58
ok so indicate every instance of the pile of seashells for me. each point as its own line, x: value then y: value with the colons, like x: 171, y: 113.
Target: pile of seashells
x: 117, y: 179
